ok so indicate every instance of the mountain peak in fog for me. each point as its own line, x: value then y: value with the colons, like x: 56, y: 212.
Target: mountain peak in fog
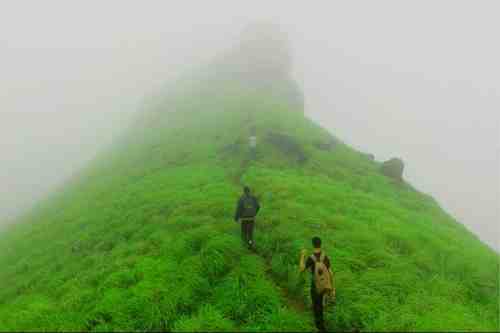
x: 263, y: 52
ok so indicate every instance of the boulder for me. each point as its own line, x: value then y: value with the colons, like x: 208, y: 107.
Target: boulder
x: 369, y: 156
x: 393, y: 168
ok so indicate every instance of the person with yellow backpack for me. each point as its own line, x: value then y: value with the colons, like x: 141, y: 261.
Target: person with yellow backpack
x: 322, y: 284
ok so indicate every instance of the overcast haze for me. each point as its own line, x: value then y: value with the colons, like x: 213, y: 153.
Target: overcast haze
x: 418, y: 80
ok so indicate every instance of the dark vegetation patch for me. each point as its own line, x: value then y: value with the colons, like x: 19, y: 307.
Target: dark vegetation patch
x: 326, y: 146
x: 288, y: 145
x: 230, y: 149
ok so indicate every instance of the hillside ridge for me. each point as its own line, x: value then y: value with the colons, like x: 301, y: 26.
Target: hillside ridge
x: 143, y: 238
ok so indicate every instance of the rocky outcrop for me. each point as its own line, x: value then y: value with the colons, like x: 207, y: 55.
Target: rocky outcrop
x: 393, y: 168
x: 327, y: 146
x: 369, y: 156
x: 287, y: 145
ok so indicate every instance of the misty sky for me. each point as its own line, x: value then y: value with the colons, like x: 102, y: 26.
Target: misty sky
x: 416, y: 80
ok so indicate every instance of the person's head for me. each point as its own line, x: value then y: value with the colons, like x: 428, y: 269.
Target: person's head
x: 246, y: 190
x: 316, y: 242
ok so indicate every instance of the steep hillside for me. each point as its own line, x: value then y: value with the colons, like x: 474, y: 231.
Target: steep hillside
x: 143, y: 239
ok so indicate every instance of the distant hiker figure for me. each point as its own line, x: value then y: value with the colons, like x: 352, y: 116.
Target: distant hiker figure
x: 246, y: 210
x: 252, y: 143
x: 322, y: 284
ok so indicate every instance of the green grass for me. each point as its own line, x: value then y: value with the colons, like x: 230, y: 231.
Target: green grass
x: 143, y: 239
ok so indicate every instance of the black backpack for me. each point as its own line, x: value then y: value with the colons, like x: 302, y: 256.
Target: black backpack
x: 249, y: 207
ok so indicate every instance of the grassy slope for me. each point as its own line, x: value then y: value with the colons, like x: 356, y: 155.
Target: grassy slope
x: 143, y: 239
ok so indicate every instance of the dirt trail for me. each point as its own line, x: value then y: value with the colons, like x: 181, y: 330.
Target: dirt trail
x: 291, y: 302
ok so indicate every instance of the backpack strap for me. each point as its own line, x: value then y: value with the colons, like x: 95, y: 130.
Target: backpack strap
x: 322, y: 257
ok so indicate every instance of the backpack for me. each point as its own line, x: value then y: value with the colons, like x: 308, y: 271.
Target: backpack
x: 322, y: 276
x: 249, y: 209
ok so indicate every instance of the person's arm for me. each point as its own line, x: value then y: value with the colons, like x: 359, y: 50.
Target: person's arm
x: 257, y: 205
x: 238, y: 211
x: 302, y: 264
x: 332, y: 277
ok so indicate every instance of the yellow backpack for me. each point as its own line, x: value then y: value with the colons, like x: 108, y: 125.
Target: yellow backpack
x: 322, y: 276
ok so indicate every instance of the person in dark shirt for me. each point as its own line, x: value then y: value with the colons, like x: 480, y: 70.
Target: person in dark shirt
x: 317, y: 298
x: 246, y: 210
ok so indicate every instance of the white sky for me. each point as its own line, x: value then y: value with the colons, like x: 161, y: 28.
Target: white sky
x: 418, y: 80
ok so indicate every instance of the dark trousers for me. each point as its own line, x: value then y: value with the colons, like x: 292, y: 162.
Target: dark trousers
x: 317, y: 302
x: 247, y: 226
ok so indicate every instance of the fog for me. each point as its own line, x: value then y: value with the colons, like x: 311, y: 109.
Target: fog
x: 418, y: 81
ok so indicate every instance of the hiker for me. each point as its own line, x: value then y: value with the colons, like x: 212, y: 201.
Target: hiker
x: 247, y: 209
x: 322, y: 285
x: 252, y: 143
